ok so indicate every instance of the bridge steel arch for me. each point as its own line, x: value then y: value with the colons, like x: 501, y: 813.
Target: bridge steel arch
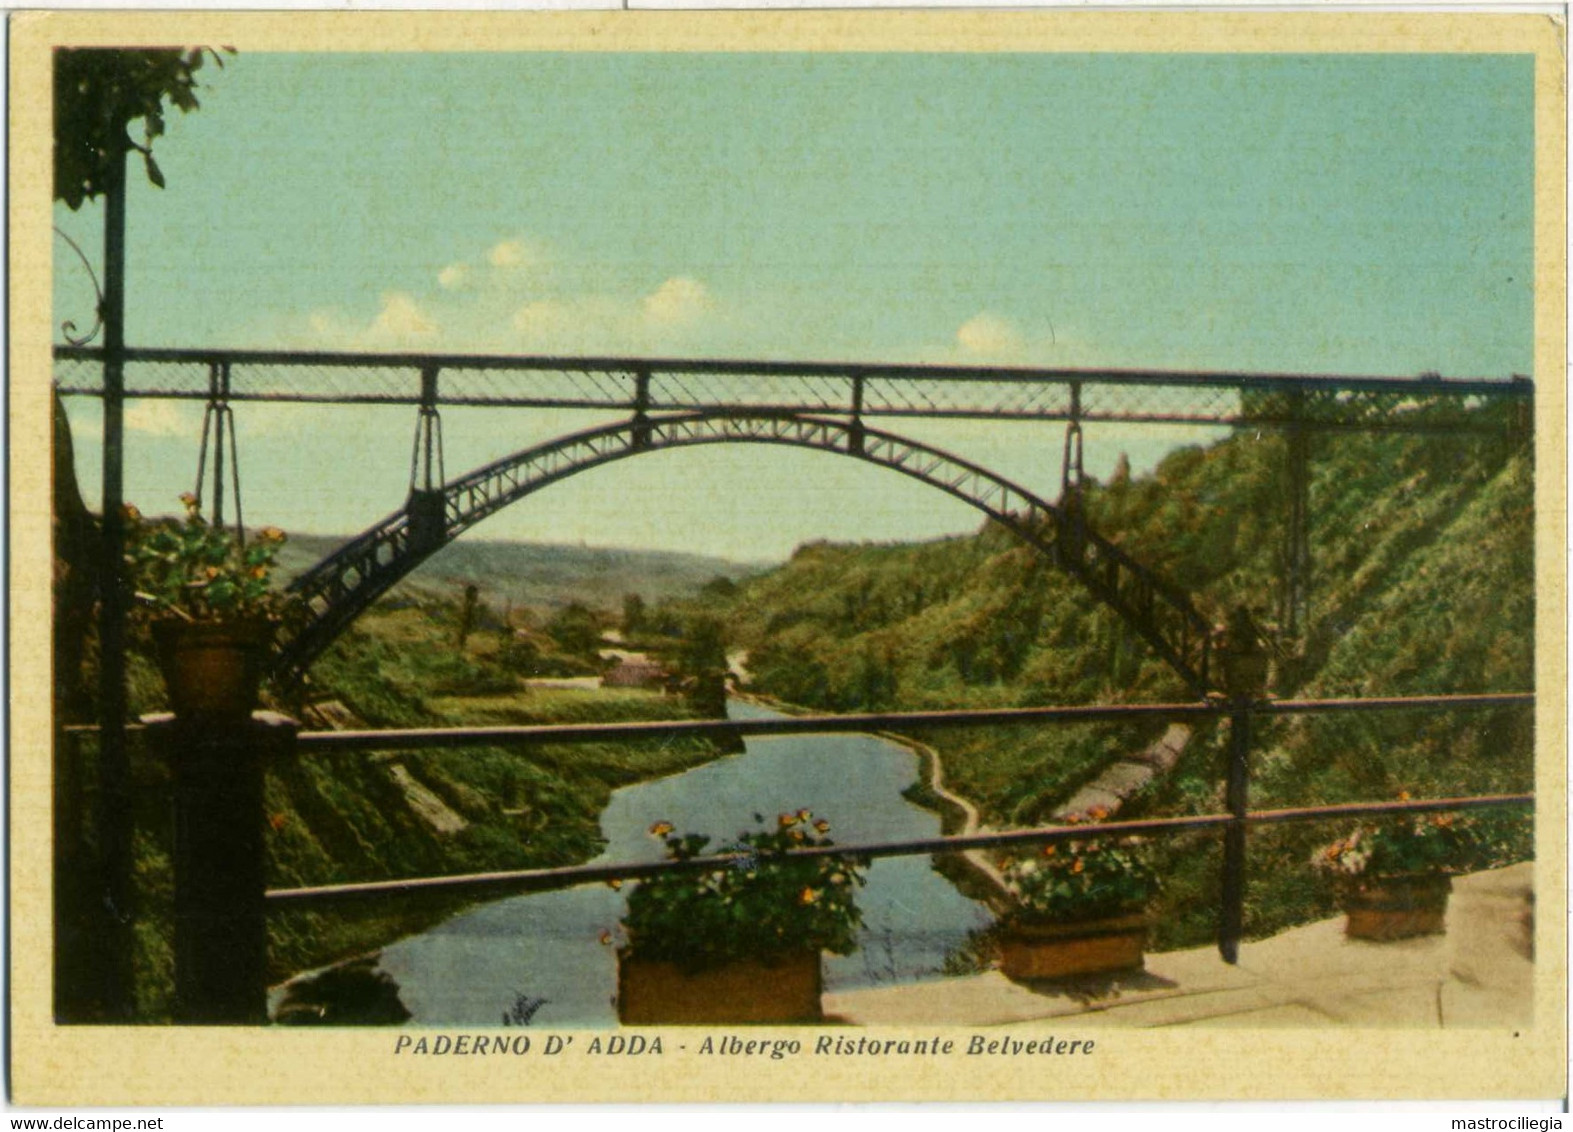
x: 343, y: 585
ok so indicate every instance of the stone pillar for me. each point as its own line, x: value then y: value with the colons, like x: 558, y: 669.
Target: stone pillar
x: 220, y: 926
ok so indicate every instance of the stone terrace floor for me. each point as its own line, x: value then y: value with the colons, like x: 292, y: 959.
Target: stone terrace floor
x: 1477, y: 974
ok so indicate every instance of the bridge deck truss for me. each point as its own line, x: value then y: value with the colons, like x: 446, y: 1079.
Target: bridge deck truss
x: 871, y: 391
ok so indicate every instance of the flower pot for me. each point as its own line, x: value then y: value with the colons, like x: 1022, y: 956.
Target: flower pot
x: 653, y: 992
x: 1052, y: 950
x: 212, y: 669
x: 1383, y: 908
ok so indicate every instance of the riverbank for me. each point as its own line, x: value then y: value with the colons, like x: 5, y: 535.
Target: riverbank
x: 324, y: 965
x: 542, y: 952
x: 977, y: 877
x: 444, y: 812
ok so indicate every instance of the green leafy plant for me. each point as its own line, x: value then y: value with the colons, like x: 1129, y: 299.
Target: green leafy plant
x: 1081, y: 879
x: 98, y: 92
x: 1404, y: 845
x: 759, y: 905
x: 191, y: 570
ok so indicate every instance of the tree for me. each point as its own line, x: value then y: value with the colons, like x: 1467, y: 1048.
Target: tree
x: 576, y: 629
x: 701, y: 661
x: 99, y: 92
x: 719, y: 588
x: 468, y: 614
x: 633, y: 615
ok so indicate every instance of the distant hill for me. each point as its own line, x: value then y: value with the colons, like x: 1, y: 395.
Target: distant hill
x: 542, y: 575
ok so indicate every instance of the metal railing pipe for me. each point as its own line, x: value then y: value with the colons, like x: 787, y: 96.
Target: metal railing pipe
x: 492, y: 884
x: 335, y: 742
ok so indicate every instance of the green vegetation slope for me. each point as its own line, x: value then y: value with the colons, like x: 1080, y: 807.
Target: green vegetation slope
x: 1422, y: 583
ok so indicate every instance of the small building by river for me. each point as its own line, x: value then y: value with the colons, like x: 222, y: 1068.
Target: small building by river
x: 630, y: 672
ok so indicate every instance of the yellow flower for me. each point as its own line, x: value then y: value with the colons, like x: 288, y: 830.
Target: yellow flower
x: 804, y: 815
x: 1403, y: 795
x: 661, y: 829
x: 787, y: 819
x: 807, y: 896
x: 1076, y: 868
x: 1049, y: 850
x: 130, y: 513
x: 606, y: 938
x: 797, y: 835
x: 189, y: 499
x: 614, y: 884
x: 822, y: 826
x: 270, y: 534
x: 212, y: 571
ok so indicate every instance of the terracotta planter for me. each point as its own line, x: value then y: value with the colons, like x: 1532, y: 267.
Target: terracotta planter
x: 1384, y: 908
x: 652, y: 992
x: 1076, y: 947
x: 212, y: 669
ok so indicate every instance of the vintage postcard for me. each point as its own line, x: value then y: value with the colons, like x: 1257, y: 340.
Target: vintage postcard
x: 787, y: 557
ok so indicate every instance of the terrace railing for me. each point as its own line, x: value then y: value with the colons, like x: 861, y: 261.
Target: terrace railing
x: 222, y: 904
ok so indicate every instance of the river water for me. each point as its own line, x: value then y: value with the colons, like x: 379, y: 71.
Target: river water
x: 543, y: 950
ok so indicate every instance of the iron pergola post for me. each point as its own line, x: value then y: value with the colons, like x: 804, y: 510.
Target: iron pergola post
x: 1231, y: 917
x: 114, y: 816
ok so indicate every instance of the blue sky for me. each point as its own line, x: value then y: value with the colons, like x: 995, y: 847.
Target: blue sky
x: 1355, y: 213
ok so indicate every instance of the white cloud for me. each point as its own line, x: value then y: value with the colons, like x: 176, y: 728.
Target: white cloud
x: 678, y: 300
x: 158, y: 418
x: 544, y: 316
x: 988, y: 335
x: 401, y: 318
x: 511, y: 253
x: 454, y: 276
x: 324, y: 324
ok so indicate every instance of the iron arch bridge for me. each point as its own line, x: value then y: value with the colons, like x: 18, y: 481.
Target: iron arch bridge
x: 825, y: 405
x: 346, y: 583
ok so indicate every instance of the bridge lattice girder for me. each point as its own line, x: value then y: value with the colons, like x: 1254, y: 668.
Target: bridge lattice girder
x: 667, y: 385
x: 346, y: 583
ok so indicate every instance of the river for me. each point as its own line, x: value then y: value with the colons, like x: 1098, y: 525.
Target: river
x: 542, y: 952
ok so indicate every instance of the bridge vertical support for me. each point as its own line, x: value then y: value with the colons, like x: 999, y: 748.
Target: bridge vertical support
x: 425, y: 506
x: 221, y: 945
x: 428, y: 513
x: 855, y: 437
x: 217, y: 418
x: 215, y: 412
x: 1294, y: 611
x: 641, y: 432
x: 426, y: 467
x: 1071, y: 463
x: 1072, y: 541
